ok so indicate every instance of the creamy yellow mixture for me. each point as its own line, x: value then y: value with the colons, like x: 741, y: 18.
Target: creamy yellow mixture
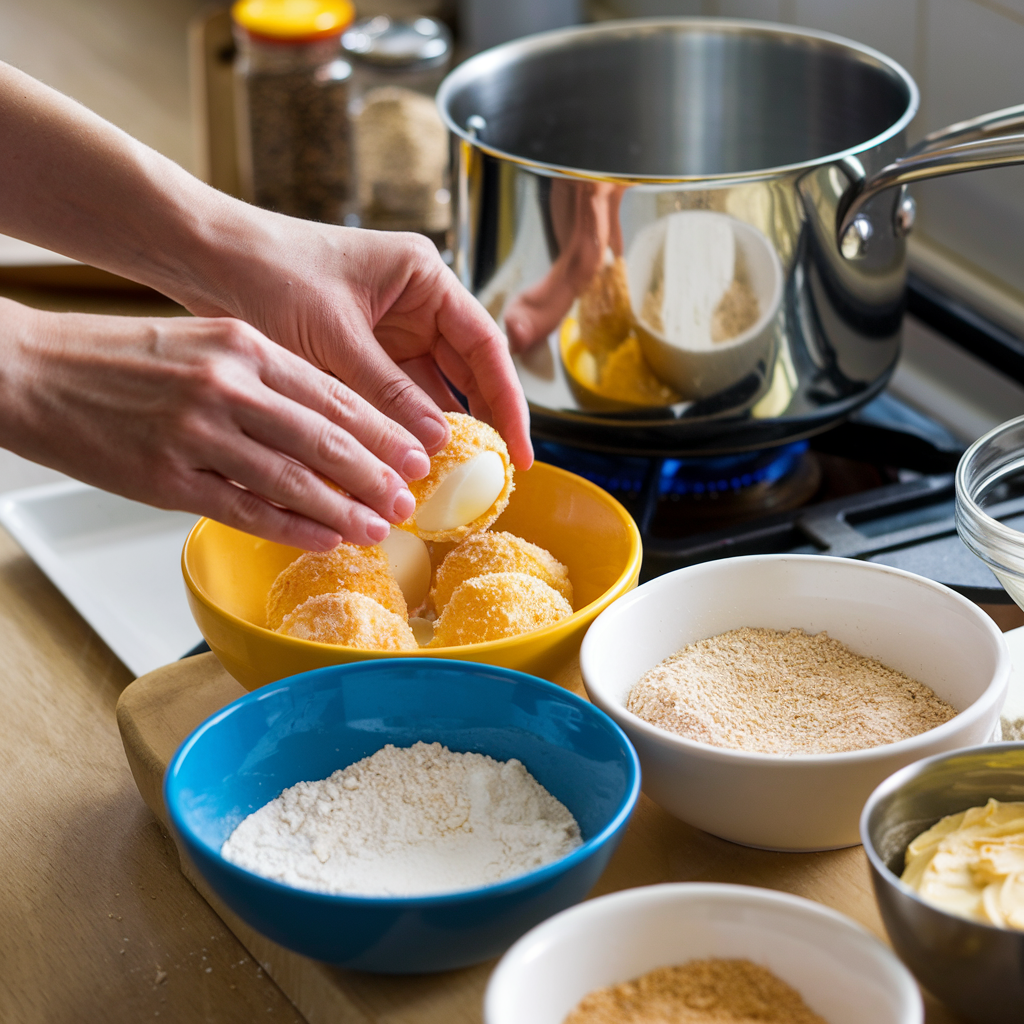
x: 972, y: 864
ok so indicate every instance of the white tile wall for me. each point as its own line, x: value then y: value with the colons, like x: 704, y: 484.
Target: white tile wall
x: 887, y: 25
x: 973, y: 64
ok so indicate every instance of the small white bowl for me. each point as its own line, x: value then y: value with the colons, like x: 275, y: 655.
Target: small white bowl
x: 842, y: 972
x: 700, y: 373
x: 802, y: 801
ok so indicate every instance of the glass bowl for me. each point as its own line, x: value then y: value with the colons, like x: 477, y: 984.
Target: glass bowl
x: 989, y: 480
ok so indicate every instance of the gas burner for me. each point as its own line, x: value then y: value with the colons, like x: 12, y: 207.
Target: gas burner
x: 679, y: 497
x: 733, y: 488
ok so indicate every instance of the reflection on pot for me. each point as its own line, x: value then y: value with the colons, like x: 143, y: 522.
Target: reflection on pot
x: 576, y: 152
x: 705, y: 291
x: 687, y: 314
x: 583, y: 218
x: 612, y: 380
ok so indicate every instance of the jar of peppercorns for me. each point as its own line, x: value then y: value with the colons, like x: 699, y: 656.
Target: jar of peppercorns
x: 292, y: 93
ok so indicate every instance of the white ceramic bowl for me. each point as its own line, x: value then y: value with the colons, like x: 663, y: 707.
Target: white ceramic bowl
x: 803, y: 801
x: 843, y: 973
x: 699, y: 373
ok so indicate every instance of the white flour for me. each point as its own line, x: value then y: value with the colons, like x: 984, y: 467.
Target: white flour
x: 407, y: 822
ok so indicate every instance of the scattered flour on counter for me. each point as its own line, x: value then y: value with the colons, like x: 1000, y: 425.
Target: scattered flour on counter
x: 407, y: 821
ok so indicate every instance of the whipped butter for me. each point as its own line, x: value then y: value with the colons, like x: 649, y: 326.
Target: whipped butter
x: 972, y: 864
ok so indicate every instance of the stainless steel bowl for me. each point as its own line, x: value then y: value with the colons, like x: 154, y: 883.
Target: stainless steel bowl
x: 977, y: 970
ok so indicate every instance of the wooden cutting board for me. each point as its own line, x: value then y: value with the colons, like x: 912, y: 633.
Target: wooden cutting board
x: 158, y: 710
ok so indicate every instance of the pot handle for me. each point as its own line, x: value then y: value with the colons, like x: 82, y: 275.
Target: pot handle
x: 991, y: 140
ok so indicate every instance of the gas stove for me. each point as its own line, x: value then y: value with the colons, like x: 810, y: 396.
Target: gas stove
x: 878, y: 487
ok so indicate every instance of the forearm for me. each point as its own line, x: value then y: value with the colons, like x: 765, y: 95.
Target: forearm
x: 73, y: 183
x: 355, y: 303
x: 203, y: 415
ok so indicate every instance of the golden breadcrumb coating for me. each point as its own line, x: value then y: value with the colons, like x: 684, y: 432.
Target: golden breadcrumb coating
x: 349, y: 620
x: 605, y: 310
x: 489, y: 552
x: 621, y: 375
x: 628, y: 377
x: 470, y: 437
x: 346, y: 567
x: 498, y: 605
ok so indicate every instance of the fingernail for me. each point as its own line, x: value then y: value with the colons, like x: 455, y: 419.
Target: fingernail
x: 405, y: 505
x: 432, y: 433
x: 377, y: 529
x: 416, y: 465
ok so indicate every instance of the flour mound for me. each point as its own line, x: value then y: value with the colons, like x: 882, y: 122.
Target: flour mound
x: 407, y: 821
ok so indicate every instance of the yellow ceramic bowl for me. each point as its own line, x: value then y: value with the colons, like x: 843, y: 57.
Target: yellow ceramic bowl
x: 228, y: 574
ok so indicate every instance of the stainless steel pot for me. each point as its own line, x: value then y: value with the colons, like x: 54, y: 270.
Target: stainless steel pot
x: 581, y: 151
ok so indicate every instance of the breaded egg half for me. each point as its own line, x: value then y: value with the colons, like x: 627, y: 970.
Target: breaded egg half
x: 349, y: 620
x: 468, y: 486
x: 346, y: 567
x: 488, y: 552
x: 498, y: 605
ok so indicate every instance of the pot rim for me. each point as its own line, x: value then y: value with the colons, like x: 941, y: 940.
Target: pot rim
x: 517, y: 49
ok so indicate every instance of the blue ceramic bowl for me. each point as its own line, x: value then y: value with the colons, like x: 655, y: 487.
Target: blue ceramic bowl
x: 310, y: 725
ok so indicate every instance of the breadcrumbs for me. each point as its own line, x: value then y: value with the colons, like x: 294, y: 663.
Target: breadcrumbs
x: 498, y: 605
x: 469, y: 438
x: 711, y: 991
x: 773, y: 692
x: 349, y: 619
x: 346, y: 567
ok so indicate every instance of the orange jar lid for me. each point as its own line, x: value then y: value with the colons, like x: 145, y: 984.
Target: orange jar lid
x: 293, y: 21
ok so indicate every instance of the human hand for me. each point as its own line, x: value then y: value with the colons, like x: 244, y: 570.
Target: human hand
x: 381, y: 312
x: 206, y: 416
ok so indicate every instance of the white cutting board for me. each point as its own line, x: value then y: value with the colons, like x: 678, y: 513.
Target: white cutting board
x: 117, y: 561
x: 16, y: 253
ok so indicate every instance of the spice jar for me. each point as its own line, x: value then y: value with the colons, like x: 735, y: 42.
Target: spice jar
x: 401, y: 144
x: 292, y: 91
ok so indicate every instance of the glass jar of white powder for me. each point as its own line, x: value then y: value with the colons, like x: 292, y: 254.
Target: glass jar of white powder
x: 401, y: 144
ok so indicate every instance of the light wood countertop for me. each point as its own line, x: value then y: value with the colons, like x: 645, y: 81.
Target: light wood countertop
x: 96, y: 921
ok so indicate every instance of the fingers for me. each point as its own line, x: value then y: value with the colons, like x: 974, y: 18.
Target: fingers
x: 423, y: 370
x: 207, y: 416
x: 321, y: 397
x: 369, y: 306
x: 297, y: 422
x: 473, y: 354
x: 213, y: 496
x: 282, y: 478
x: 375, y: 376
x: 262, y: 484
